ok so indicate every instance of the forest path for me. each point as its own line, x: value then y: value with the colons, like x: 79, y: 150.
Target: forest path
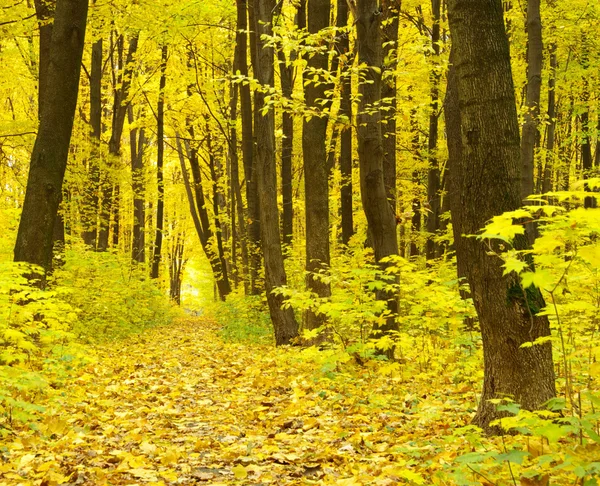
x: 180, y: 406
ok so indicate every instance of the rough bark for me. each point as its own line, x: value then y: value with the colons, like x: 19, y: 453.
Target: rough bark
x: 316, y: 170
x: 531, y: 135
x: 284, y: 323
x: 160, y: 151
x: 380, y: 216
x: 487, y: 184
x: 51, y: 148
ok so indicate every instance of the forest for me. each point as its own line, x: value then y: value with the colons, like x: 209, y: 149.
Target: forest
x: 284, y: 242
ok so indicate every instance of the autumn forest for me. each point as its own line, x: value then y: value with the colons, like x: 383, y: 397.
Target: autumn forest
x: 299, y: 242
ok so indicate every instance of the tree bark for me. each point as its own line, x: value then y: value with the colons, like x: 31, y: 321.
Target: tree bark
x: 44, y: 11
x: 91, y: 197
x: 380, y: 216
x: 160, y: 150
x: 284, y: 323
x: 316, y: 170
x: 550, y: 134
x: 531, y: 135
x: 137, y: 143
x: 433, y: 250
x: 487, y: 184
x: 346, y: 195
x: 287, y: 150
x: 51, y: 148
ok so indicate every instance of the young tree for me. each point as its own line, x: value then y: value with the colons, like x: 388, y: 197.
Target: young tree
x: 485, y: 183
x: 284, y: 323
x: 51, y: 148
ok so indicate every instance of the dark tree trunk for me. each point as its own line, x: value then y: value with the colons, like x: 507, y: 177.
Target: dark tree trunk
x: 176, y: 265
x: 390, y: 12
x: 316, y: 171
x: 550, y: 134
x: 284, y: 323
x: 287, y: 149
x: 433, y: 250
x: 380, y: 216
x: 91, y: 199
x: 51, y: 148
x: 531, y: 134
x: 109, y: 207
x: 346, y: 130
x: 44, y: 11
x: 137, y: 142
x: 248, y: 155
x: 415, y: 222
x: 487, y: 182
x: 160, y: 150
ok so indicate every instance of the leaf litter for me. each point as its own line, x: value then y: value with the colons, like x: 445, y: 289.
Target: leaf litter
x: 178, y: 405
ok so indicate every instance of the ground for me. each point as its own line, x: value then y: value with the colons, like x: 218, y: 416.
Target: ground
x: 179, y: 405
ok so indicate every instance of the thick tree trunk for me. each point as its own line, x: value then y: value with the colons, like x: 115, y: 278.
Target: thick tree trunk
x: 432, y: 249
x: 380, y: 216
x: 346, y: 206
x: 531, y: 135
x: 137, y: 142
x: 160, y: 150
x: 51, y: 148
x: 44, y: 11
x: 316, y: 170
x: 487, y: 184
x: 284, y: 323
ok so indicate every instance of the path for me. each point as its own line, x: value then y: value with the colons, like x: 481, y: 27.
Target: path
x: 180, y: 406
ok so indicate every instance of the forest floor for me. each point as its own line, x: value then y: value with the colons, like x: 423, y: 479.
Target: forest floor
x: 178, y: 405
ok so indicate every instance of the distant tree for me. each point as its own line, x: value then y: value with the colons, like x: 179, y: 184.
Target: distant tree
x: 51, y: 148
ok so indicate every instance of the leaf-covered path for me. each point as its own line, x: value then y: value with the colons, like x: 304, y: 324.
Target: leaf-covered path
x: 180, y: 406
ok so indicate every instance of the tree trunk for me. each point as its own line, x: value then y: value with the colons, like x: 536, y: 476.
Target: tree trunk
x: 160, y: 150
x: 284, y: 323
x: 44, y: 11
x: 380, y: 216
x: 137, y: 142
x: 390, y: 12
x: 51, y: 148
x: 550, y: 134
x: 287, y: 150
x: 432, y: 249
x: 91, y: 199
x: 487, y: 184
x: 531, y: 134
x: 316, y: 171
x: 346, y: 155
x: 122, y: 84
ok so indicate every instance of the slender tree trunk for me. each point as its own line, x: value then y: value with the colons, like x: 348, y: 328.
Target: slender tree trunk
x: 137, y: 142
x: 316, y: 171
x: 284, y: 323
x: 433, y: 250
x: 380, y: 216
x: 487, y: 185
x: 51, y: 148
x: 287, y: 150
x: 160, y: 150
x: 531, y: 135
x: 44, y: 11
x: 390, y: 10
x: 91, y: 199
x: 550, y: 134
x: 122, y: 84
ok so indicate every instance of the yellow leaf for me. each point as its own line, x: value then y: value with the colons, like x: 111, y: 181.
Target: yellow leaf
x: 240, y: 472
